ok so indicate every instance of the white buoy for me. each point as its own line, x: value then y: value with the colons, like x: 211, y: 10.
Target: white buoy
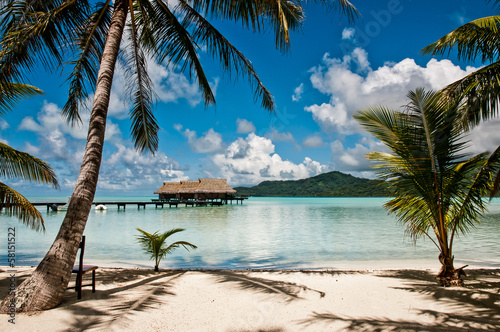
x: 100, y: 207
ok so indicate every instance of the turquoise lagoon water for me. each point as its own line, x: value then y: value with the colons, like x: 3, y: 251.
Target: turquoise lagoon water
x: 263, y: 233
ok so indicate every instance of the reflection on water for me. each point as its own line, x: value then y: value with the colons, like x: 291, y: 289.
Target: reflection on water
x: 261, y: 233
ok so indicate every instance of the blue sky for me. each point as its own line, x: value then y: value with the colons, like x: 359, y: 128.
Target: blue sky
x: 334, y: 69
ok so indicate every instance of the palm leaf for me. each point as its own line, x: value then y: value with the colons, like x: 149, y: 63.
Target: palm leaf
x: 35, y: 32
x: 174, y: 42
x: 17, y: 205
x: 89, y: 47
x: 144, y: 126
x: 479, y: 91
x: 476, y: 39
x: 12, y: 93
x: 17, y: 164
x: 230, y: 58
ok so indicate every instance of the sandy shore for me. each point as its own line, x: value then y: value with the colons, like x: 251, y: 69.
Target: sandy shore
x: 171, y: 300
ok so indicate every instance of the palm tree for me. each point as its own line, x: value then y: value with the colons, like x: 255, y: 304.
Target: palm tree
x: 476, y: 40
x: 437, y: 189
x: 92, y: 33
x: 21, y: 165
x: 154, y: 244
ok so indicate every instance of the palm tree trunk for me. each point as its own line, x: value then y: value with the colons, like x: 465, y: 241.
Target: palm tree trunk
x: 46, y: 287
x: 448, y: 275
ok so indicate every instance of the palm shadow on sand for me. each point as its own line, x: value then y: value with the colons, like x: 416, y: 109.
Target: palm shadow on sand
x: 478, y: 303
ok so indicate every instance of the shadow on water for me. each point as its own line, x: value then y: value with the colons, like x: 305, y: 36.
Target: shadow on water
x: 475, y: 306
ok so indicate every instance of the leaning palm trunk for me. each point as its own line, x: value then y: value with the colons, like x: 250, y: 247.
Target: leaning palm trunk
x: 48, y: 283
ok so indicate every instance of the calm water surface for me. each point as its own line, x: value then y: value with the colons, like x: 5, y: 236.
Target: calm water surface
x: 269, y: 233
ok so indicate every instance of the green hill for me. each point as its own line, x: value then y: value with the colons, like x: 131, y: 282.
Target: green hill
x: 332, y: 184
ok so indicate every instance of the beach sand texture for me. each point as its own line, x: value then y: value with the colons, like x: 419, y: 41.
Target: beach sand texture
x: 178, y: 300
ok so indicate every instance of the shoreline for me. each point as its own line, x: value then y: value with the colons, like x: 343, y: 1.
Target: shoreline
x: 134, y: 299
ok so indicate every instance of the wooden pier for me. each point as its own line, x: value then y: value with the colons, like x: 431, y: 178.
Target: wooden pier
x: 156, y: 202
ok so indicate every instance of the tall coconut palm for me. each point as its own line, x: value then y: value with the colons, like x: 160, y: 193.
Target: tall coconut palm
x: 92, y: 33
x: 154, y: 244
x: 16, y: 164
x: 476, y: 40
x: 437, y: 189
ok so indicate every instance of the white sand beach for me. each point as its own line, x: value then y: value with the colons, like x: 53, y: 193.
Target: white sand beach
x: 178, y: 300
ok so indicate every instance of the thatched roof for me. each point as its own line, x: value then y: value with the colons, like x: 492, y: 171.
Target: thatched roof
x: 214, y: 186
x: 188, y: 186
x: 168, y: 188
x: 200, y: 186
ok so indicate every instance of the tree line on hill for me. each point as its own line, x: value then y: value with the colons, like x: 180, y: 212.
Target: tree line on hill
x: 331, y: 184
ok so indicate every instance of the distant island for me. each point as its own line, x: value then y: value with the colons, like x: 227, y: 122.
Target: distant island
x: 332, y: 184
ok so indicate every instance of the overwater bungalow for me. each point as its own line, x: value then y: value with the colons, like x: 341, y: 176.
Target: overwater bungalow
x: 202, y: 190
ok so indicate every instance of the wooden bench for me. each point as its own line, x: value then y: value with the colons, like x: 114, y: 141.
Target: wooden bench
x: 82, y: 269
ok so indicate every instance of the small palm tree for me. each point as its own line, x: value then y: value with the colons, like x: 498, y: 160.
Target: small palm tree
x: 155, y: 245
x: 437, y: 189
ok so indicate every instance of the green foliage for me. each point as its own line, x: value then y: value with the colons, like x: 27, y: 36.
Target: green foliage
x: 437, y: 189
x: 332, y: 184
x: 154, y: 244
x: 476, y: 40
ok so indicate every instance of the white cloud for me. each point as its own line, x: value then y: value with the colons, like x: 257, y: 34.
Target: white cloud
x: 485, y: 137
x: 3, y: 124
x: 353, y: 159
x: 253, y: 160
x: 313, y: 142
x: 244, y: 126
x: 297, y: 92
x: 58, y: 140
x: 126, y: 169
x: 210, y: 142
x: 348, y: 33
x: 279, y: 136
x: 388, y: 85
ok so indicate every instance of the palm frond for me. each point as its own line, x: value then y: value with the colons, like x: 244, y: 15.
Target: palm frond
x: 89, y: 47
x: 37, y: 32
x: 174, y: 42
x: 478, y: 38
x: 17, y: 205
x: 144, y: 126
x: 12, y: 93
x: 17, y: 164
x: 230, y: 58
x: 479, y: 92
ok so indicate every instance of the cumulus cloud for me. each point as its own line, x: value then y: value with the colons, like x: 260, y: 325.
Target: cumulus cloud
x: 297, y: 92
x: 123, y: 168
x: 352, y: 160
x: 244, y: 126
x: 3, y: 124
x: 126, y: 169
x: 210, y: 142
x: 279, y: 136
x: 352, y: 85
x: 313, y: 142
x: 484, y: 137
x: 348, y: 33
x: 58, y: 140
x: 252, y: 160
